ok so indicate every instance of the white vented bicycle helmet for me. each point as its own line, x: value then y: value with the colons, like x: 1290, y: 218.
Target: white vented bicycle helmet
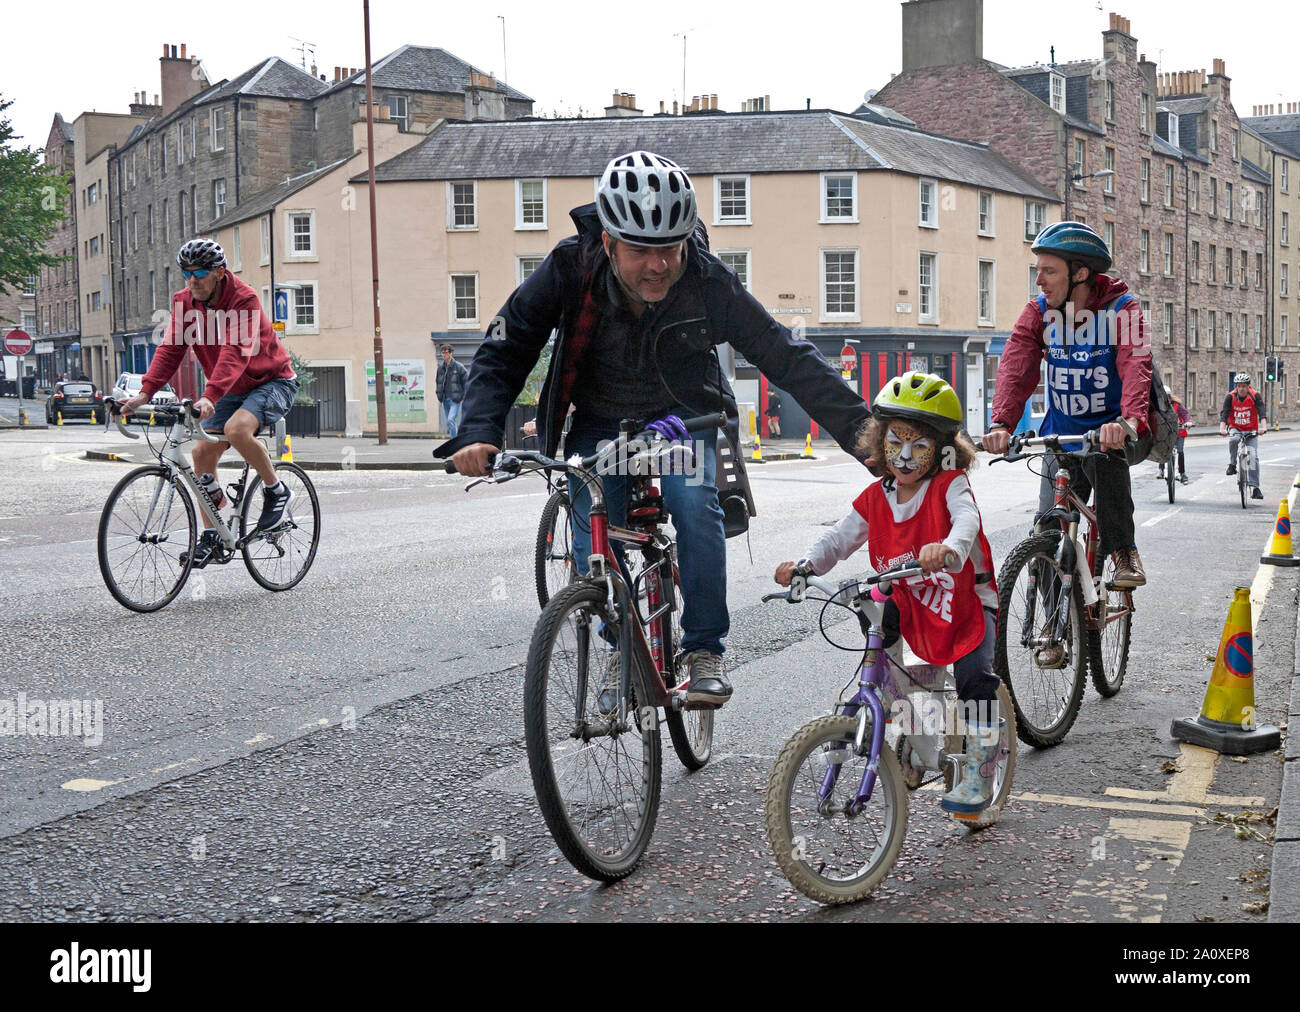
x: 646, y: 199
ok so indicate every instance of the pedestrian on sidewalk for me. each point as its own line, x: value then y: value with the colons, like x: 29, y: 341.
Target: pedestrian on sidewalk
x: 773, y: 413
x: 451, y: 388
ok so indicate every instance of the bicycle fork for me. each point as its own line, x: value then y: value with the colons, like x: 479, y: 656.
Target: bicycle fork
x: 866, y: 706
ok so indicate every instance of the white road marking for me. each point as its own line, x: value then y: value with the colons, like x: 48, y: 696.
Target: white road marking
x: 1163, y: 516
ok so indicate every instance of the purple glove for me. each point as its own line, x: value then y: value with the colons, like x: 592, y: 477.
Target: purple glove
x: 672, y: 429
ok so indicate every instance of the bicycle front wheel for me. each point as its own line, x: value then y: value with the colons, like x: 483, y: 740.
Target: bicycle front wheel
x: 596, y: 774
x: 146, y: 539
x: 1046, y: 690
x: 553, y: 563
x: 1108, y: 643
x: 691, y: 731
x: 827, y: 854
x: 279, y: 558
x: 1169, y: 472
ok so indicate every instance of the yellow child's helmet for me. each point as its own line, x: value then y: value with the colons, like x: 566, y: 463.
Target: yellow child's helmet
x: 920, y: 397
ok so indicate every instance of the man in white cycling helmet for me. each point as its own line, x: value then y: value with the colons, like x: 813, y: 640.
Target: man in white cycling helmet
x: 639, y: 304
x: 1242, y: 417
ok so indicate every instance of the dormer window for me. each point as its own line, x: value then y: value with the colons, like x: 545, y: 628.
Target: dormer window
x: 1173, y: 130
x: 1057, y: 91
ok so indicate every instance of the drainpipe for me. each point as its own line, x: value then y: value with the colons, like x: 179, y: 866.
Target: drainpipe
x: 235, y: 103
x: 1187, y: 245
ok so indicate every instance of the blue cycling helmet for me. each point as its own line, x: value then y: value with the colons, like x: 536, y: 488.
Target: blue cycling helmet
x: 1074, y: 242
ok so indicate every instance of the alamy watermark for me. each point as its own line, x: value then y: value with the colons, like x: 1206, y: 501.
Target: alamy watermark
x: 240, y: 328
x: 55, y: 718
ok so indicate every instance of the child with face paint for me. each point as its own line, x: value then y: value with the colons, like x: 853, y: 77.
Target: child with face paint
x: 923, y: 509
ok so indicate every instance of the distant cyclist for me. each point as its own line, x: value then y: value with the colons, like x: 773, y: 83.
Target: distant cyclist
x: 250, y: 381
x: 1242, y: 417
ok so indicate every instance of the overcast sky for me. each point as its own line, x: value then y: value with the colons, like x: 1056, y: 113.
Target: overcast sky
x: 572, y: 55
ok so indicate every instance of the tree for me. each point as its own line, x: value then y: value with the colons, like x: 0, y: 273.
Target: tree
x: 305, y: 377
x: 32, y: 198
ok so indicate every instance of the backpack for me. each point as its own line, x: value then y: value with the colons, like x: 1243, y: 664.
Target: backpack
x: 734, y: 495
x: 1162, y: 419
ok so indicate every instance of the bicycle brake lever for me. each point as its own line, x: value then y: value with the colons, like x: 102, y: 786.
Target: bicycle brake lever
x: 776, y: 597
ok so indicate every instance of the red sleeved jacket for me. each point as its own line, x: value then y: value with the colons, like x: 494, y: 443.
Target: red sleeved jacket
x: 233, y: 340
x: 1019, y: 369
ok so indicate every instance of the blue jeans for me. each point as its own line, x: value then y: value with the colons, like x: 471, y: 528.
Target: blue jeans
x: 1235, y: 436
x: 692, y: 502
x: 452, y: 409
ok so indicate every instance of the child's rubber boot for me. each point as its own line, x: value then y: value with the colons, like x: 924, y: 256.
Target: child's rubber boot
x: 974, y: 791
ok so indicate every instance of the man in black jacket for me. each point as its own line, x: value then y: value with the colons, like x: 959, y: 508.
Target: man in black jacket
x: 450, y: 386
x: 640, y: 304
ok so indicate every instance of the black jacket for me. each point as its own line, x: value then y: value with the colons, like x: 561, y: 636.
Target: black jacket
x: 450, y: 381
x: 709, y: 307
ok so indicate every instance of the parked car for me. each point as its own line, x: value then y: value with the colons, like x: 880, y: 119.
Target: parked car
x: 128, y: 385
x: 74, y: 399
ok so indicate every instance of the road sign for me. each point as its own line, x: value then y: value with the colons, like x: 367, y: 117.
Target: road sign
x: 848, y: 358
x: 279, y: 326
x: 281, y: 306
x: 18, y: 342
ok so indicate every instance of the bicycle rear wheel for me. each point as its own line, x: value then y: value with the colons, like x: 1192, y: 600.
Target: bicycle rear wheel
x: 691, y: 731
x: 597, y: 777
x: 1046, y: 700
x: 1108, y: 644
x: 146, y: 539
x: 828, y: 855
x: 279, y: 559
x: 1170, y: 464
x: 553, y: 563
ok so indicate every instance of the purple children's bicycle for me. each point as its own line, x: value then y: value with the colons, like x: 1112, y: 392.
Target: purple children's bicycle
x: 836, y: 806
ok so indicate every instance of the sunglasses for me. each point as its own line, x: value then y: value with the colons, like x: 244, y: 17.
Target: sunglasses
x: 194, y: 274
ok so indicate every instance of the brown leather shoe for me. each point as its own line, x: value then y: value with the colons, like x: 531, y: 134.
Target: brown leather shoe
x: 1128, y: 569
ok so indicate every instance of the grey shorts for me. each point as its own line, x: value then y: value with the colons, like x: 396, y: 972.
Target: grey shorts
x: 268, y: 403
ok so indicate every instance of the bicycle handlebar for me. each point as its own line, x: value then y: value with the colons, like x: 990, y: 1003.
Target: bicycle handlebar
x: 183, y: 413
x: 1055, y: 443
x: 802, y: 578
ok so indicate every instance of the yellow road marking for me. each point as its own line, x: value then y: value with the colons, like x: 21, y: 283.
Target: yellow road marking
x: 1118, y: 806
x: 86, y: 784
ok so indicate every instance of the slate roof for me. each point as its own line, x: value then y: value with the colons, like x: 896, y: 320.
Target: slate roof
x: 707, y: 144
x: 873, y: 113
x: 423, y: 68
x: 266, y: 200
x: 1081, y: 68
x: 1249, y: 170
x: 1185, y: 105
x: 1284, y: 131
x: 1163, y: 147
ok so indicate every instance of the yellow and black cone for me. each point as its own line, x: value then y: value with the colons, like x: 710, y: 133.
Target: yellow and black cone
x: 807, y: 448
x: 1226, y: 722
x: 1279, y: 546
x: 151, y: 419
x: 286, y: 451
x: 757, y: 456
x: 1297, y: 480
x: 93, y: 419
x: 60, y: 418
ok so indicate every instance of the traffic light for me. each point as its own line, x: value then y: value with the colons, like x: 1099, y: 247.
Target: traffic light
x: 1270, y: 368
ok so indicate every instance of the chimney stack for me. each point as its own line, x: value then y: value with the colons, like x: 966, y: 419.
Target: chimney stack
x: 1219, y: 68
x: 181, y: 76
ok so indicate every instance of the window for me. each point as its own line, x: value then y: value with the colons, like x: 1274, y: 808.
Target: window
x: 193, y: 127
x: 130, y: 175
x: 1244, y: 325
x: 218, y: 131
x: 265, y: 256
x: 462, y: 206
x: 1211, y: 328
x: 29, y: 286
x: 194, y: 209
x: 1214, y: 135
x: 1245, y: 269
x: 397, y: 110
x: 738, y: 261
x: 840, y: 284
x: 1110, y: 164
x: 1169, y: 185
x: 1110, y: 101
x: 1194, y: 262
x: 266, y: 299
x: 731, y: 199
x: 148, y: 157
x: 1146, y: 180
x: 167, y: 281
x: 1284, y: 170
x: 180, y: 143
x: 1227, y: 200
x: 153, y: 292
x: 95, y: 245
x: 1194, y: 192
x: 839, y: 198
x: 1236, y: 144
x: 1169, y: 323
x: 530, y: 204
x: 1283, y: 279
x: 1258, y: 199
x: 1192, y: 317
x: 1144, y: 252
x: 986, y: 213
x: 148, y: 227
x: 302, y: 313
x: 167, y: 223
x: 1259, y: 332
x: 135, y: 231
x: 162, y: 155
x: 464, y: 300
x: 929, y: 214
x: 1035, y: 216
x: 1281, y: 334
x: 1033, y: 282
x: 1191, y: 393
x: 927, y: 288
x: 218, y: 197
x: 1214, y: 264
x: 1227, y: 266
x: 524, y: 267
x: 1080, y: 161
x: 1144, y: 113
x: 1057, y: 92
x: 1259, y: 271
x: 1169, y: 254
x: 1109, y: 229
x: 1173, y: 130
x: 1214, y: 195
x: 92, y: 193
x: 1283, y: 232
x: 985, y: 292
x: 301, y: 241
x: 237, y: 261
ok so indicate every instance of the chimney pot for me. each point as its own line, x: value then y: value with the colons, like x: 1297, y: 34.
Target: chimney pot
x: 182, y: 50
x: 674, y: 107
x: 166, y: 49
x: 661, y: 107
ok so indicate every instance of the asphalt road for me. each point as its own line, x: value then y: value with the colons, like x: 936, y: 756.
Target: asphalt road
x: 353, y: 749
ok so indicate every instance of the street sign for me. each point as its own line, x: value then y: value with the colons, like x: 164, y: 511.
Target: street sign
x: 279, y: 326
x: 848, y: 358
x: 18, y: 342
x: 281, y: 306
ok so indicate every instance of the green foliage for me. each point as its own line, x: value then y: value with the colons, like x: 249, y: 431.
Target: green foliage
x: 532, y: 391
x: 32, y: 199
x: 305, y: 378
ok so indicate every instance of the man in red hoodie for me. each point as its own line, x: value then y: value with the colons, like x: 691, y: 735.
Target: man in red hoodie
x: 1093, y: 335
x: 250, y: 381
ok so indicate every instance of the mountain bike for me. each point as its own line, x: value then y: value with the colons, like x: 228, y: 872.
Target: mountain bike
x: 1246, y: 450
x: 148, y: 529
x: 1059, y: 609
x: 836, y: 805
x: 603, y: 662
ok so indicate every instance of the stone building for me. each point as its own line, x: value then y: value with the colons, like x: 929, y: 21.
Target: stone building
x: 1138, y: 155
x: 57, y: 305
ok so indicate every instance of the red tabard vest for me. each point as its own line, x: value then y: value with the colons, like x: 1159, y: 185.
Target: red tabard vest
x: 1245, y: 415
x: 940, y: 615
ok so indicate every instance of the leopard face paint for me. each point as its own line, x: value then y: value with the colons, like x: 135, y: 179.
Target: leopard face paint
x: 907, y: 452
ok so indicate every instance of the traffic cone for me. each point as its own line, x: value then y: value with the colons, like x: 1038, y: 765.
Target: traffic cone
x: 757, y: 457
x: 1297, y: 480
x: 93, y: 419
x: 286, y: 454
x: 1226, y: 722
x: 22, y: 417
x: 151, y: 421
x: 1279, y: 547
x: 807, y: 448
x: 60, y: 418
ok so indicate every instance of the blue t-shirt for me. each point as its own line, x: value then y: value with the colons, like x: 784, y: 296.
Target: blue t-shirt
x: 1083, y: 385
